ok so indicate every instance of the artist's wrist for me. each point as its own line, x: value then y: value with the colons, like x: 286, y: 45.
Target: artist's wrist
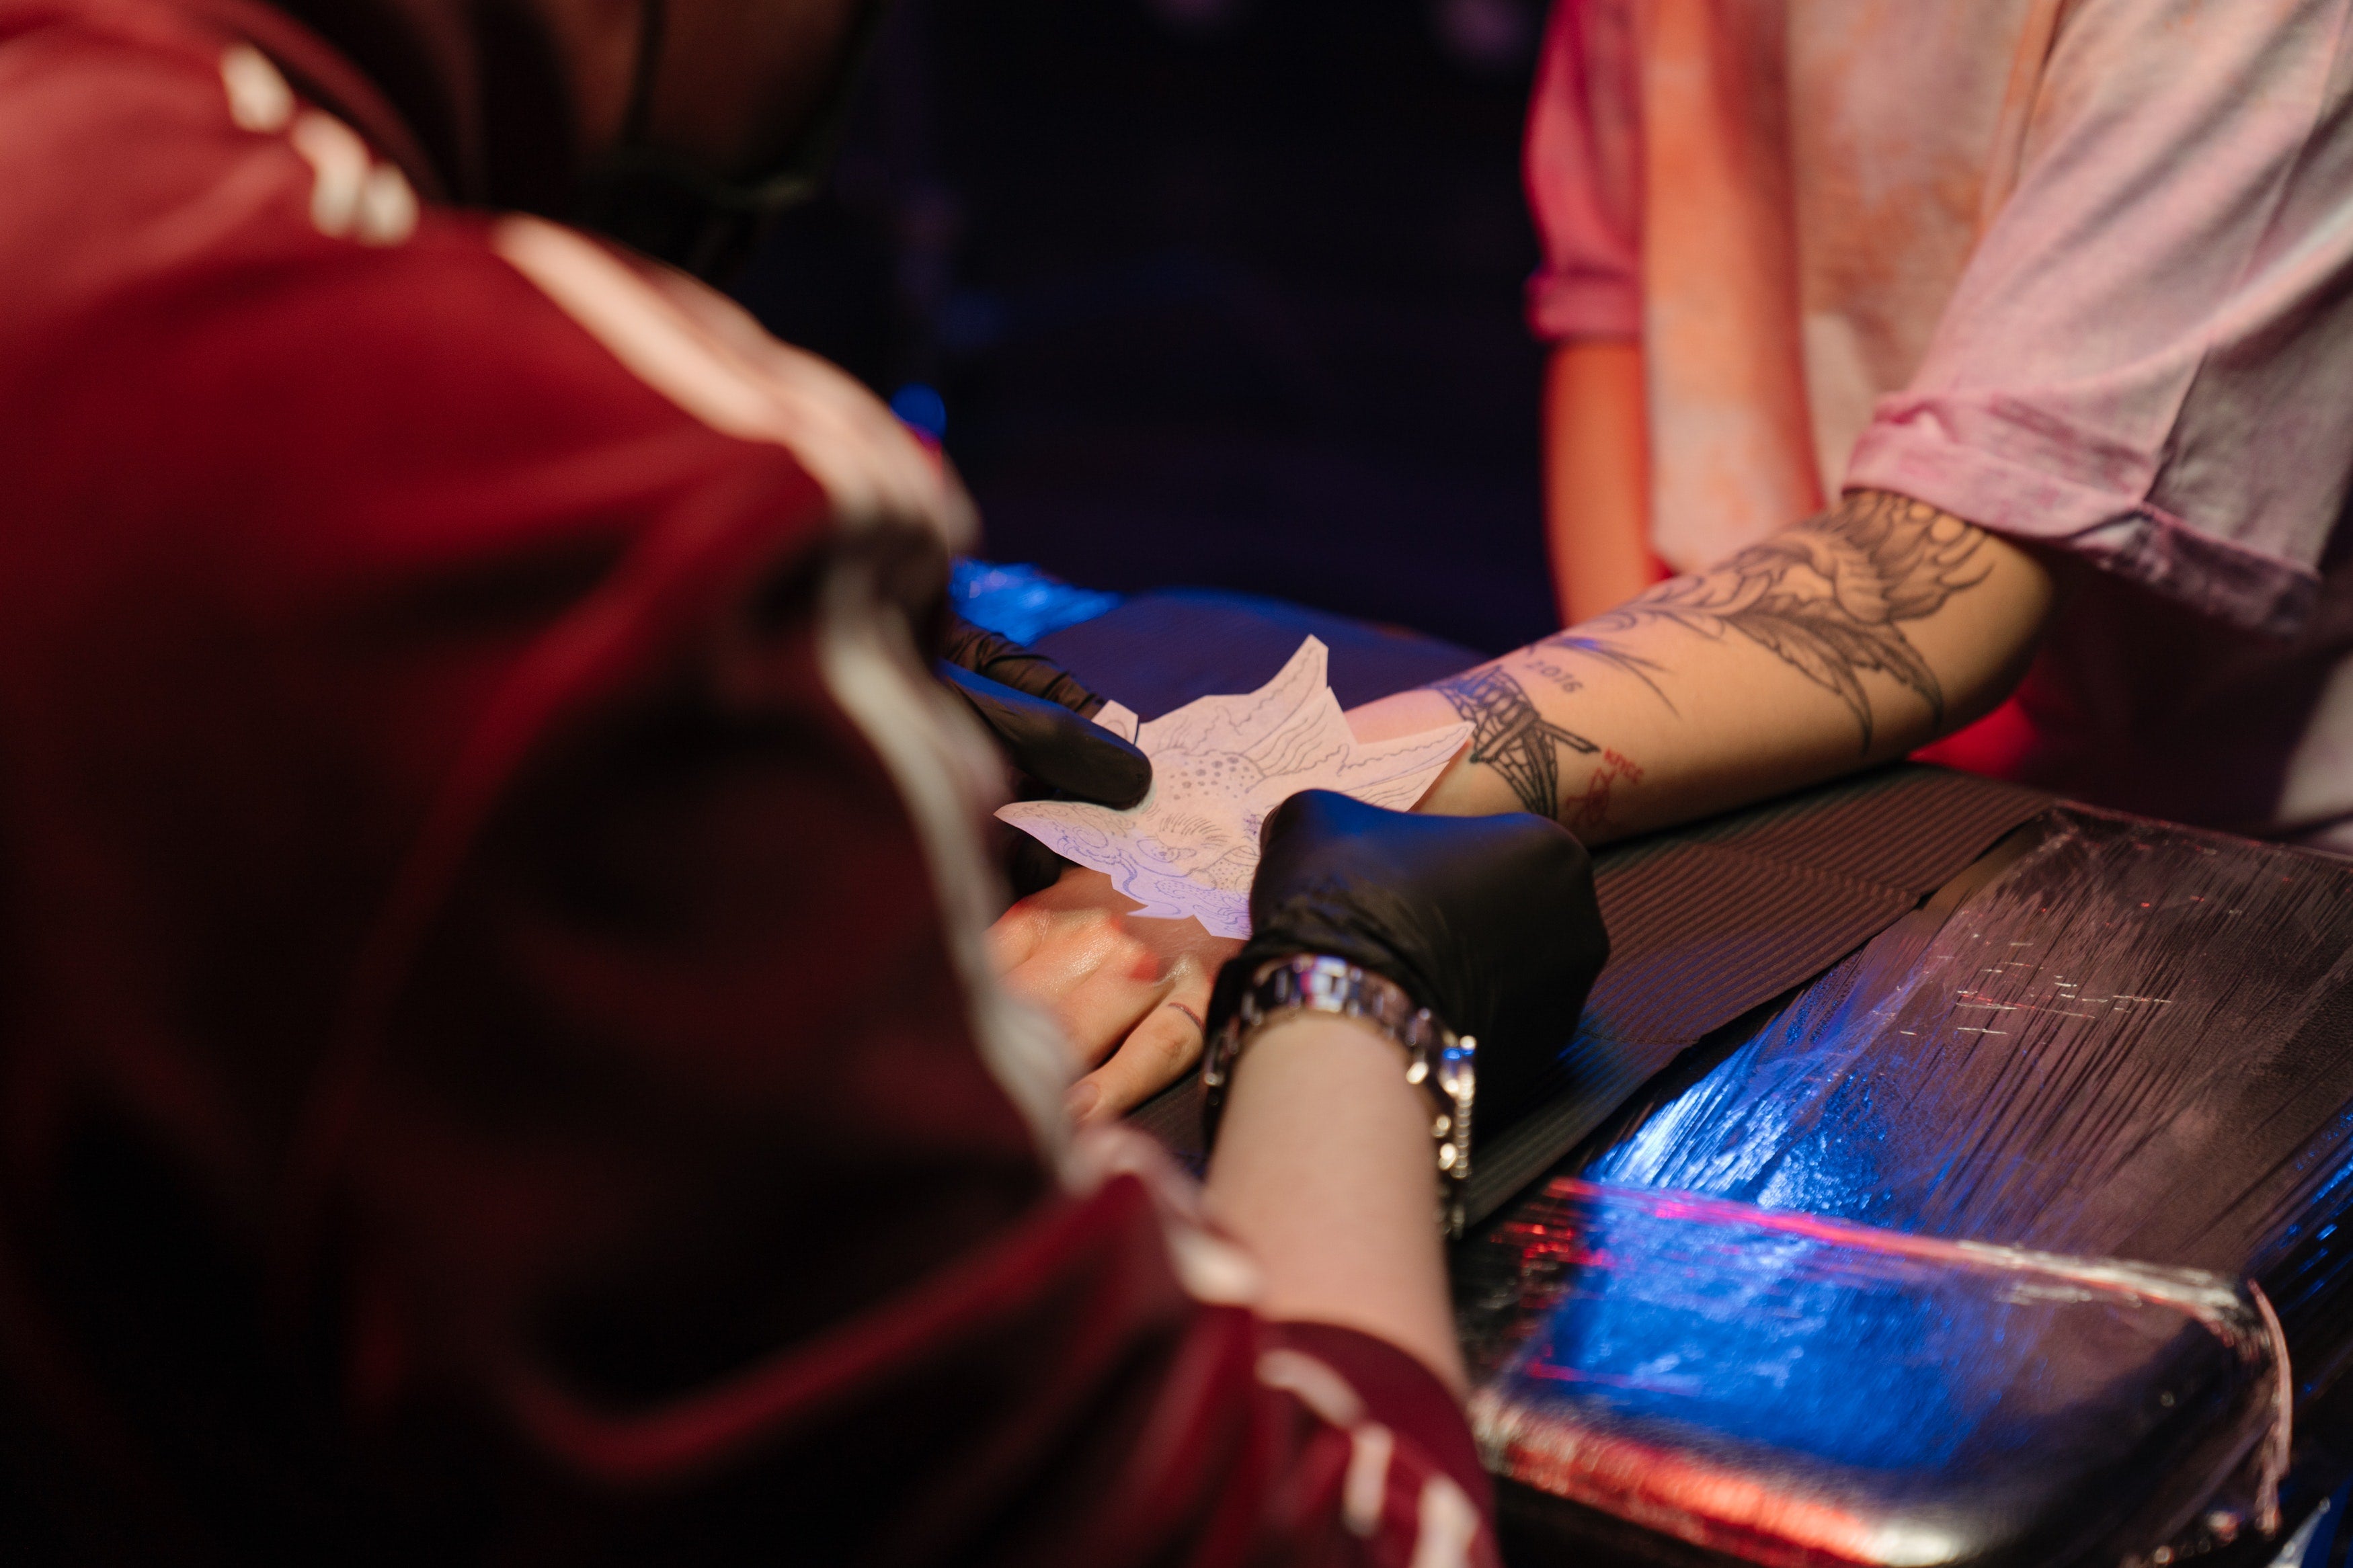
x: 1260, y: 991
x: 1325, y: 1079
x: 1319, y: 1033
x: 1323, y: 1173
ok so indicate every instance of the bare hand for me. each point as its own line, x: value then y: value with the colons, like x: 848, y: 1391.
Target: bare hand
x: 1129, y: 990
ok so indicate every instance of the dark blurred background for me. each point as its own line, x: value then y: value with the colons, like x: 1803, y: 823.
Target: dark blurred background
x: 1215, y: 293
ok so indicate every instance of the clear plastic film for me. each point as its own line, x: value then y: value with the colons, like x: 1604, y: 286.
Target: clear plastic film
x: 2115, y: 1041
x: 1795, y: 1391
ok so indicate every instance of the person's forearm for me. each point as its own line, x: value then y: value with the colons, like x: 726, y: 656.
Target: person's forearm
x: 1847, y: 640
x: 1596, y: 477
x: 1325, y: 1170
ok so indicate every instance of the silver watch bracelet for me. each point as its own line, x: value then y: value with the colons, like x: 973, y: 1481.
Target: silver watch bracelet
x: 1439, y: 1062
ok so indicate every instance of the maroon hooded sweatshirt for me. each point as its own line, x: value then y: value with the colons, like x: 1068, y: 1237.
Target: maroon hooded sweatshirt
x: 496, y: 1061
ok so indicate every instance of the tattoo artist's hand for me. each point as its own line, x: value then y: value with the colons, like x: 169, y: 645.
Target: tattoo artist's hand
x: 1007, y: 663
x: 1133, y: 991
x: 1488, y: 921
x: 1042, y: 719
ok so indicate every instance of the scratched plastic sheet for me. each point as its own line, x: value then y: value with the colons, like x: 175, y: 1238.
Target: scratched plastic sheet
x: 2115, y: 1041
x: 1793, y: 1391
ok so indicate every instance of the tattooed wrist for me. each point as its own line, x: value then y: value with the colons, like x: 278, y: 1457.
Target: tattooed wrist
x: 1510, y: 736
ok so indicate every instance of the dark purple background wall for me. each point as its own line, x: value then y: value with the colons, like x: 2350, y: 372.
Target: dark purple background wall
x: 1216, y: 291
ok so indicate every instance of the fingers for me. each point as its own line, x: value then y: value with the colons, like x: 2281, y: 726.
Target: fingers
x: 1129, y: 993
x: 1159, y: 1051
x: 1020, y: 931
x: 1097, y: 971
x: 1099, y: 1016
x: 1053, y: 745
x: 1013, y: 938
x: 1097, y: 980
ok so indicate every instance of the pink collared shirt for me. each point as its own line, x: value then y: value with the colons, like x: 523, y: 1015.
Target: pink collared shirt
x: 2080, y: 271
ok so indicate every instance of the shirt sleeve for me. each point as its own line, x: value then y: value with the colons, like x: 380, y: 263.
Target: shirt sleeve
x: 1583, y: 171
x: 2144, y: 360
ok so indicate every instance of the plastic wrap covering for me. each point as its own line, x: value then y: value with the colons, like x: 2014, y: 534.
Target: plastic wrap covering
x: 2112, y: 1039
x: 1795, y: 1391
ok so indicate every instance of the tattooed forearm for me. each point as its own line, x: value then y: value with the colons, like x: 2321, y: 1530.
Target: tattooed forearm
x: 1510, y: 736
x: 1828, y: 598
x: 1542, y: 657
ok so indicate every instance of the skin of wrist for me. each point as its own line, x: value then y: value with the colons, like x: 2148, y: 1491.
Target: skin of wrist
x: 1304, y: 1029
x: 1324, y: 1169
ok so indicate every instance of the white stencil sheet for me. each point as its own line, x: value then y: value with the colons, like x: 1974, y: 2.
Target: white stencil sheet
x: 1220, y: 764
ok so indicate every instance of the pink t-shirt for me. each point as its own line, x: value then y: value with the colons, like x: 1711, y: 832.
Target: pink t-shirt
x: 2080, y: 271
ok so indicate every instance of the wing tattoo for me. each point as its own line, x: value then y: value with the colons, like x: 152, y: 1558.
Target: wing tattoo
x: 1829, y: 599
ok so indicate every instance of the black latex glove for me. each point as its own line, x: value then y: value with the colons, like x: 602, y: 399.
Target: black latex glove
x: 1040, y: 714
x: 1054, y: 746
x: 1007, y: 662
x: 1489, y: 922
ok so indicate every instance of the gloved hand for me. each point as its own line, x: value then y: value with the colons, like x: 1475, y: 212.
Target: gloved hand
x: 1042, y: 719
x: 1489, y: 922
x: 1007, y: 663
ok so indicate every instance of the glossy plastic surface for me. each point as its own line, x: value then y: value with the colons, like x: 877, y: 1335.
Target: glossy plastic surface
x: 1795, y: 1391
x: 2116, y: 1040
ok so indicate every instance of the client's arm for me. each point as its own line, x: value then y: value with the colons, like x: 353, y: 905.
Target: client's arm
x: 1849, y: 639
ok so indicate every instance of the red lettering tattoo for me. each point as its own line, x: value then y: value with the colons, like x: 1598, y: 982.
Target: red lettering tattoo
x: 1591, y: 818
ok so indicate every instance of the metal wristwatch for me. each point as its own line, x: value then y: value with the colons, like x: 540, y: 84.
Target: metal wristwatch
x: 1437, y: 1061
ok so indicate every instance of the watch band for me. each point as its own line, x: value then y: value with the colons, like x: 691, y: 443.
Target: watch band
x: 1439, y: 1062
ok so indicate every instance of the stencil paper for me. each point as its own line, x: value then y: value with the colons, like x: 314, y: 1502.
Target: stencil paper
x: 1220, y: 764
